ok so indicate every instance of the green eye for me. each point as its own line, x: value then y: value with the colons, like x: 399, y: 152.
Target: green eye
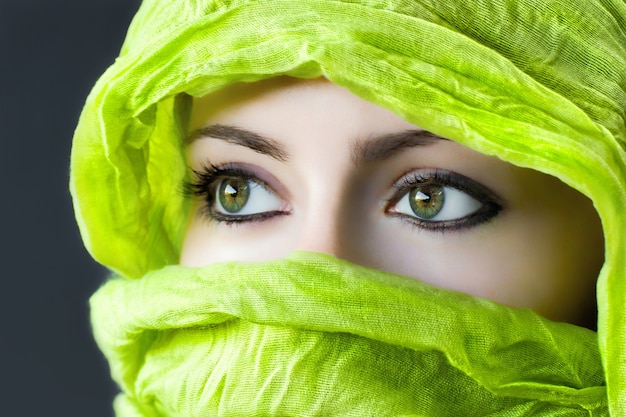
x: 233, y: 194
x: 241, y: 198
x: 427, y: 201
x: 442, y: 200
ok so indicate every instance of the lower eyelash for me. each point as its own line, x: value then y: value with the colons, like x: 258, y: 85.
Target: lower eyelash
x: 201, y: 186
x: 491, y: 204
x: 234, y: 220
x: 484, y: 215
x: 202, y: 179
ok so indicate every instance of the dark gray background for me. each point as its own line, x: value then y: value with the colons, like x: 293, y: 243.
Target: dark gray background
x: 51, y: 53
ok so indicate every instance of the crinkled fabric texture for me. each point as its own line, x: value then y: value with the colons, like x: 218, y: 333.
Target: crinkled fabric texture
x: 312, y: 336
x: 539, y: 83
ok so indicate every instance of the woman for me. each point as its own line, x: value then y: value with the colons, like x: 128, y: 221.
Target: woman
x: 490, y: 109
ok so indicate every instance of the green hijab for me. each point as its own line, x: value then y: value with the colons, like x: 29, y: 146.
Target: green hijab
x: 539, y: 83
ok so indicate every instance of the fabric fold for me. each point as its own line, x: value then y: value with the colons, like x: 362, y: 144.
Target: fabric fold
x: 202, y: 341
x: 540, y: 84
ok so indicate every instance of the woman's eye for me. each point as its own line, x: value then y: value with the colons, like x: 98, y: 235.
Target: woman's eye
x: 443, y: 200
x: 232, y: 194
x: 437, y: 203
x: 237, y: 196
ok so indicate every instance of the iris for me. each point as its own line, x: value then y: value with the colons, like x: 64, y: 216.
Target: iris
x: 233, y: 194
x: 427, y: 201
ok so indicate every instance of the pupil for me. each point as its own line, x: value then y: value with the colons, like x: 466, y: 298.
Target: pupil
x: 427, y: 201
x: 233, y: 194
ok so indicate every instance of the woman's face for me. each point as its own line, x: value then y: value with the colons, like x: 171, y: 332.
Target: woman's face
x: 285, y: 164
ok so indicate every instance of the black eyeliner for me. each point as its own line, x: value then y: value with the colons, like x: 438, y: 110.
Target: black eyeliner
x: 208, y: 174
x: 204, y: 186
x: 492, y: 204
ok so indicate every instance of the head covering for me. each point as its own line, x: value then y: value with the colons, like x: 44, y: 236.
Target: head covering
x: 539, y: 83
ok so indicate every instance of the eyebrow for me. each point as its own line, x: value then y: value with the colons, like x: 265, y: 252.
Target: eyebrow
x: 362, y: 151
x: 385, y: 146
x: 241, y: 137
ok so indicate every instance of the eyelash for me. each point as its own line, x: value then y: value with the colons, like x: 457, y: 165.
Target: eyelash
x: 204, y: 183
x: 490, y: 203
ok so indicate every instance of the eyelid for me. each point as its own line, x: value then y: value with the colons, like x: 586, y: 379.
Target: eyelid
x: 202, y: 184
x: 247, y: 171
x: 443, y: 177
x: 492, y: 204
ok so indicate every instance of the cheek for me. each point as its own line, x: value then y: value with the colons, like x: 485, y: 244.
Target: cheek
x: 456, y: 261
x: 548, y: 261
x: 572, y: 250
x: 540, y: 262
x: 209, y: 242
x: 470, y: 263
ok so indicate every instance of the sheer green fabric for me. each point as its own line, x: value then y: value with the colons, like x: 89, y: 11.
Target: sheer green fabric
x: 311, y: 335
x: 539, y: 83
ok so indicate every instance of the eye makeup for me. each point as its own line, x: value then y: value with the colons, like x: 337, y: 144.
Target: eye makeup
x: 430, y: 199
x: 227, y: 192
x: 441, y: 201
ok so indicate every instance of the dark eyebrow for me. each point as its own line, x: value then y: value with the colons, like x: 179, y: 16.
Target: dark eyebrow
x: 241, y: 137
x: 387, y: 145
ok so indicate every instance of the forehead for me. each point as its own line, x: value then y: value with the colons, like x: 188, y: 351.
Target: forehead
x: 313, y: 122
x: 300, y: 121
x: 284, y: 107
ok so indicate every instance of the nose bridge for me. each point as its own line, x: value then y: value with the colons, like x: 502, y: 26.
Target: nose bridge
x: 323, y: 229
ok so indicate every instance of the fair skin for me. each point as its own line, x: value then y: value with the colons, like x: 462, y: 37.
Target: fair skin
x: 307, y: 165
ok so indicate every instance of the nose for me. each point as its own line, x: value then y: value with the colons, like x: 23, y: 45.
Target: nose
x: 324, y: 230
x: 322, y: 236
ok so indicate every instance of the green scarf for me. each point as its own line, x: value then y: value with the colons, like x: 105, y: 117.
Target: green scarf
x: 539, y: 83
